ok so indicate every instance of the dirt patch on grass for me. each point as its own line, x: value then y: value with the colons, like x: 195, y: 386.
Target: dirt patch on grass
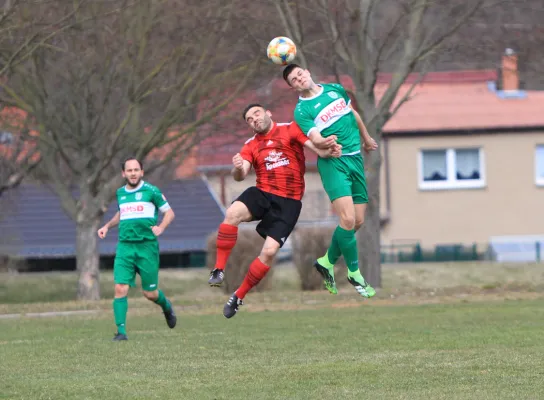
x: 259, y: 302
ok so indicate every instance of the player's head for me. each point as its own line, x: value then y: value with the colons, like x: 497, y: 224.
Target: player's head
x: 133, y: 171
x: 297, y: 77
x: 258, y: 118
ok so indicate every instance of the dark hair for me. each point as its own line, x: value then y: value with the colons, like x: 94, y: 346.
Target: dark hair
x: 249, y: 107
x: 287, y: 70
x: 130, y: 159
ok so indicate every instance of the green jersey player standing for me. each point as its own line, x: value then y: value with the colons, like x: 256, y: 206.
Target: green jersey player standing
x: 325, y: 115
x: 138, y: 247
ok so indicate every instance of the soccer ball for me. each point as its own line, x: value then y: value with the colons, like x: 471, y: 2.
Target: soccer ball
x: 281, y: 50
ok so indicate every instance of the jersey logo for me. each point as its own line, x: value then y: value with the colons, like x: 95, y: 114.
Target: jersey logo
x: 334, y: 95
x: 138, y: 196
x: 275, y: 159
x: 274, y: 156
x: 269, y: 142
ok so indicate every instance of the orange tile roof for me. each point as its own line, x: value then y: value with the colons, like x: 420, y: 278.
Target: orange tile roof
x: 464, y: 106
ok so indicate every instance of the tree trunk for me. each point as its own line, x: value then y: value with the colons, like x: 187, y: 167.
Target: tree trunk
x: 88, y: 262
x: 368, y: 236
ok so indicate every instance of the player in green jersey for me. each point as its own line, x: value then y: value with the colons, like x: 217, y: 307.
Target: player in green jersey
x: 322, y: 111
x: 138, y: 248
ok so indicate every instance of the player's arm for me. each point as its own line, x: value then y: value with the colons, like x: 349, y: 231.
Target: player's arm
x: 167, y: 218
x: 164, y: 207
x: 307, y: 125
x: 319, y: 141
x: 368, y: 142
x: 102, y: 232
x: 114, y: 221
x: 334, y: 151
x: 241, y: 167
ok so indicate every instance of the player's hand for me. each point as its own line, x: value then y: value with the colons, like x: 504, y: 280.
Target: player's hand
x: 329, y: 141
x: 157, y: 230
x: 238, y: 161
x: 336, y: 150
x: 370, y: 145
x: 102, y: 232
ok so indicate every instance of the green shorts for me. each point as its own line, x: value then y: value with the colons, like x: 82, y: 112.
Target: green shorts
x: 344, y: 176
x: 137, y: 257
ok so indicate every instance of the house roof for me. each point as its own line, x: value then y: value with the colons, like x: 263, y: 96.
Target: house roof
x: 466, y: 106
x: 37, y: 227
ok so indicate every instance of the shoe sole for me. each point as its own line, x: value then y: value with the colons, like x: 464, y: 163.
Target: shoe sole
x: 324, y: 272
x: 215, y: 284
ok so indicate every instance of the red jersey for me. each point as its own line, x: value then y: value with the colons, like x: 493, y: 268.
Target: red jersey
x: 278, y: 160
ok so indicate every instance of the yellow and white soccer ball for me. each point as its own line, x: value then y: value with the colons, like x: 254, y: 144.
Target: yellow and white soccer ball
x: 281, y: 50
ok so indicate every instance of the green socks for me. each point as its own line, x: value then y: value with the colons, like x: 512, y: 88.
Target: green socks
x: 343, y: 242
x: 163, y: 302
x: 120, y: 308
x: 348, y: 246
x: 334, y: 252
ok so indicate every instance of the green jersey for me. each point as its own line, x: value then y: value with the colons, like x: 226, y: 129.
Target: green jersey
x: 330, y: 113
x: 138, y: 211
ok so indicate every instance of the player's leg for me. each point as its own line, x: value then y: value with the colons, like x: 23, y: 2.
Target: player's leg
x: 360, y: 211
x: 360, y: 200
x: 148, y: 267
x: 258, y: 269
x: 337, y: 183
x: 248, y: 206
x: 275, y: 226
x: 124, y: 274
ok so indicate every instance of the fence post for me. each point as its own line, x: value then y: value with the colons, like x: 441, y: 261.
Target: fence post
x: 537, y: 245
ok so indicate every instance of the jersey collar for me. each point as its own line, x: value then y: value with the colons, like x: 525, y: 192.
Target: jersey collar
x: 314, y: 96
x: 135, y: 189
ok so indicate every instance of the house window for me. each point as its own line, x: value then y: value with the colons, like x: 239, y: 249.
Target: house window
x: 539, y: 165
x: 452, y: 169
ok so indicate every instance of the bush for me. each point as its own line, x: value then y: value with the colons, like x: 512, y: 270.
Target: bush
x: 12, y: 264
x: 248, y: 246
x: 310, y: 243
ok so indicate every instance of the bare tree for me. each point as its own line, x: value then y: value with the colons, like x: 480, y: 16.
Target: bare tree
x: 20, y: 36
x: 18, y: 150
x: 138, y: 81
x: 363, y: 38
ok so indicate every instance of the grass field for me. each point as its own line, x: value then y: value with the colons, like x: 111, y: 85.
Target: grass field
x: 433, y: 332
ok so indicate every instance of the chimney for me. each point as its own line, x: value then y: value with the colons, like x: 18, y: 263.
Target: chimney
x: 509, y: 70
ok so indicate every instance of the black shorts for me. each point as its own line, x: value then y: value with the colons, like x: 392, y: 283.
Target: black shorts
x: 278, y: 215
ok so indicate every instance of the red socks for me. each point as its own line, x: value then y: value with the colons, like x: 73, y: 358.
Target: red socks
x: 226, y: 239
x: 257, y: 271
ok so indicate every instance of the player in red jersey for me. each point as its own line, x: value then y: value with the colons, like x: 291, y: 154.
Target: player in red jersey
x: 276, y: 152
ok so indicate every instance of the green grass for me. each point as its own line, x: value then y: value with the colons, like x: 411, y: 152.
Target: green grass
x: 401, y: 278
x: 434, y: 331
x: 455, y: 351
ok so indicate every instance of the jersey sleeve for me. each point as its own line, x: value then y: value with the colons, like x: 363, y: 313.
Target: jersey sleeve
x: 246, y: 152
x: 303, y: 119
x: 298, y: 135
x: 160, y: 201
x: 341, y: 91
